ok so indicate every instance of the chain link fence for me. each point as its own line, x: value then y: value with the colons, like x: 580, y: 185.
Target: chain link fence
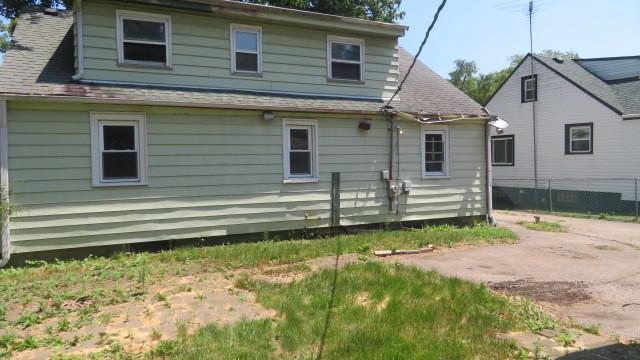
x: 604, y: 196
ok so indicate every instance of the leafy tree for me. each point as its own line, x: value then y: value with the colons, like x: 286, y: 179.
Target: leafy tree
x: 480, y: 87
x: 12, y: 8
x: 379, y: 10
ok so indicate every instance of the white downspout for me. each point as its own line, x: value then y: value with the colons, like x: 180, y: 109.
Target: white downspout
x: 4, y: 183
x: 490, y: 219
x: 77, y: 10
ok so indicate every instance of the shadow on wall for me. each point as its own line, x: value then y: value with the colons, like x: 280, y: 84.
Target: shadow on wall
x: 609, y: 352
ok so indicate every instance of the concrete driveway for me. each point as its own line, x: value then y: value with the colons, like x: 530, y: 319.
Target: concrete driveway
x: 591, y: 272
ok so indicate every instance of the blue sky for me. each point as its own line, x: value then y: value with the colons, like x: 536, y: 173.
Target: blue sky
x: 489, y: 31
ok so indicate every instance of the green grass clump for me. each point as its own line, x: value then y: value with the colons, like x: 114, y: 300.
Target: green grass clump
x: 547, y: 226
x: 589, y: 215
x: 390, y: 310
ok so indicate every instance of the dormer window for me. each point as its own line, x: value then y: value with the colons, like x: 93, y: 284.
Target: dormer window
x: 529, y: 89
x: 345, y: 59
x: 144, y: 39
x: 246, y: 49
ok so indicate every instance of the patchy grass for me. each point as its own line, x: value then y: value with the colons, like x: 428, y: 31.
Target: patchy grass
x: 607, y: 248
x: 43, y: 299
x: 379, y: 308
x: 589, y: 215
x: 547, y: 226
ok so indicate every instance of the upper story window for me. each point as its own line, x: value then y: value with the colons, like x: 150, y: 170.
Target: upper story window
x: 246, y: 49
x: 435, y: 152
x: 345, y: 59
x: 144, y: 39
x: 118, y: 143
x: 502, y: 150
x: 529, y: 88
x: 300, y: 147
x: 579, y: 138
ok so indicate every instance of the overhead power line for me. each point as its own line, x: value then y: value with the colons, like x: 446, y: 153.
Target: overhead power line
x: 415, y: 59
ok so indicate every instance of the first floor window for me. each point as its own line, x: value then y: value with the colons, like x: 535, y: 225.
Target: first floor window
x: 300, y: 150
x: 346, y: 57
x: 502, y: 150
x: 246, y: 49
x: 579, y: 138
x: 144, y: 39
x: 435, y: 148
x: 118, y: 149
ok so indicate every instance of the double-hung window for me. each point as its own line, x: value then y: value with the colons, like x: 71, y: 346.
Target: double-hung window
x: 345, y: 59
x: 118, y: 143
x: 435, y: 152
x: 529, y: 88
x: 246, y: 49
x: 144, y: 39
x: 579, y: 138
x: 300, y: 146
x: 502, y: 150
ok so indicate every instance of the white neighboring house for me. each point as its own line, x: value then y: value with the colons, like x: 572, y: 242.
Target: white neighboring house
x: 587, y: 134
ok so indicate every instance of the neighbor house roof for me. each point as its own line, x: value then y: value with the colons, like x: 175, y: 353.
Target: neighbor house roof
x: 615, y: 82
x: 40, y: 64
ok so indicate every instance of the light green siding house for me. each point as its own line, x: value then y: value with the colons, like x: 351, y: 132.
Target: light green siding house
x: 129, y: 122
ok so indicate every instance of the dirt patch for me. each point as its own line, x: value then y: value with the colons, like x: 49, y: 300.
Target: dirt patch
x: 556, y: 292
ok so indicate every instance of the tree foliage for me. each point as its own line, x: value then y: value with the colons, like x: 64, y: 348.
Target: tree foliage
x: 480, y: 87
x: 379, y: 10
x: 12, y: 8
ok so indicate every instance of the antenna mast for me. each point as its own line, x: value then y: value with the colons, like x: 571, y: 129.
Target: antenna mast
x: 533, y: 107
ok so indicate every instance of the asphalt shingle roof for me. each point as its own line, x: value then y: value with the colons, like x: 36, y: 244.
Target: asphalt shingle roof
x: 621, y: 95
x: 41, y: 63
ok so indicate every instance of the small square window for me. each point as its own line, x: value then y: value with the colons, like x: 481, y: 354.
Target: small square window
x: 118, y: 149
x: 579, y: 138
x: 300, y: 151
x: 246, y: 49
x: 435, y: 152
x: 502, y: 150
x: 346, y: 59
x: 144, y: 39
x: 529, y: 90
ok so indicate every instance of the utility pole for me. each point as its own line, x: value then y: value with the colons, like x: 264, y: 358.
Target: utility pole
x: 533, y: 108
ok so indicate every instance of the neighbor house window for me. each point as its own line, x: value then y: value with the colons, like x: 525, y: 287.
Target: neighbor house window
x: 144, y: 39
x: 246, y: 49
x: 345, y: 59
x: 300, y: 150
x: 529, y: 89
x: 502, y: 150
x: 579, y: 138
x: 118, y: 143
x: 435, y: 152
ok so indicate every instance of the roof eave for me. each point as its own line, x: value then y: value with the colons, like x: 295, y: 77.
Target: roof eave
x: 282, y: 16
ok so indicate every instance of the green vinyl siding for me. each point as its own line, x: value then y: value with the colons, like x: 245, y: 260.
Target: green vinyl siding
x: 219, y: 172
x: 294, y: 58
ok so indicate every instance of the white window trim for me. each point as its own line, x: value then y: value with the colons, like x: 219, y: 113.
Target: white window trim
x: 571, y: 139
x: 427, y: 129
x: 315, y: 168
x: 345, y: 40
x: 136, y: 15
x: 493, y: 146
x: 245, y: 28
x: 96, y: 120
x: 533, y: 91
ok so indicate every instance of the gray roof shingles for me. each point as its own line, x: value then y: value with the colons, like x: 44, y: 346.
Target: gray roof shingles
x: 41, y: 63
x: 622, y: 96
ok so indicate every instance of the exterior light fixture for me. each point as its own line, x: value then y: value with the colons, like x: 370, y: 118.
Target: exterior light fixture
x: 364, y: 125
x: 268, y: 115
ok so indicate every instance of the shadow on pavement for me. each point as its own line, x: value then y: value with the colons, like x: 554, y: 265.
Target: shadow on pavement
x: 609, y: 352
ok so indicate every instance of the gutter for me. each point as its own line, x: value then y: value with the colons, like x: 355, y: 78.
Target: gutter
x: 5, y: 253
x: 79, y: 22
x: 631, y: 117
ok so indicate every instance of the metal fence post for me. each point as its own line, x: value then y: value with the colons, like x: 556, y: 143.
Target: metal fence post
x: 550, y: 198
x: 335, y: 199
x: 636, y: 196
